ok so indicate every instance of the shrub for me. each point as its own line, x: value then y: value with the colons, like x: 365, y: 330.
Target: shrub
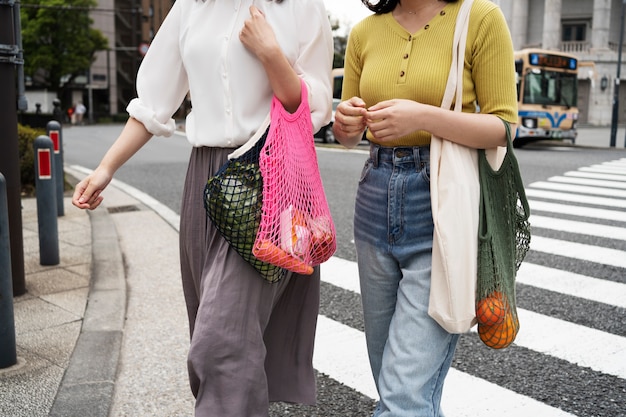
x: 26, y: 136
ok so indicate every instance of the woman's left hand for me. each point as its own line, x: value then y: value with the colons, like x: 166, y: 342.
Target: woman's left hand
x: 257, y: 35
x: 392, y: 119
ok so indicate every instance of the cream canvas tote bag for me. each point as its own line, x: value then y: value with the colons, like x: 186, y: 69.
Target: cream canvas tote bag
x: 455, y: 193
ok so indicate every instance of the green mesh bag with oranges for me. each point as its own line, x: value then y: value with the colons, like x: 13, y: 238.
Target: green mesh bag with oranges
x: 503, y: 241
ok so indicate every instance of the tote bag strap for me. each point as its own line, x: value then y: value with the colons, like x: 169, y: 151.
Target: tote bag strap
x: 252, y: 141
x: 454, y: 87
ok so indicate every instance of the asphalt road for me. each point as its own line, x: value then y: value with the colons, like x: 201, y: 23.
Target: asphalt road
x: 570, y: 358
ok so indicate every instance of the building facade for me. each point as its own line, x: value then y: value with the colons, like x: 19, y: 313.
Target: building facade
x: 592, y: 30
x: 589, y: 29
x: 129, y: 25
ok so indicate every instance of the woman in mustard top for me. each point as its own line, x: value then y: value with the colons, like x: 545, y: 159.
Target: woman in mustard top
x: 396, y: 68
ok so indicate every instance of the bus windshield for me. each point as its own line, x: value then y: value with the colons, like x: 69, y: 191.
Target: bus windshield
x: 551, y: 88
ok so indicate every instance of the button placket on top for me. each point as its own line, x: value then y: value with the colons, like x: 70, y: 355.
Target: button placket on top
x: 404, y: 63
x: 232, y: 34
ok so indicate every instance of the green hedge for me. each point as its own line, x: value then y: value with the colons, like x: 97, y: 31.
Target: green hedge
x: 25, y: 137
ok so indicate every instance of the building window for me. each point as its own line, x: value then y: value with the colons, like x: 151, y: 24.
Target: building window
x: 574, y: 32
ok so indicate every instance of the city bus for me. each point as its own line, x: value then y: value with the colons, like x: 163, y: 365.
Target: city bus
x: 547, y: 92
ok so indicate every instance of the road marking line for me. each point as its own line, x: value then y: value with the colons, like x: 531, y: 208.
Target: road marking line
x: 585, y: 174
x: 594, y: 213
x: 602, y: 170
x: 578, y: 189
x: 579, y: 251
x: 588, y: 181
x: 340, y: 353
x: 576, y: 198
x: 610, y: 167
x: 572, y: 342
x: 582, y: 228
x: 616, y: 163
x: 583, y: 346
x: 344, y: 274
x: 575, y: 285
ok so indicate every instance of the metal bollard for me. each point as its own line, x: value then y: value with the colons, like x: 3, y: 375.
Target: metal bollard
x: 55, y: 133
x: 46, y: 201
x: 8, y: 352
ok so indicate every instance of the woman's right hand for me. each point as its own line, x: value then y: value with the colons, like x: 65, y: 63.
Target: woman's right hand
x: 87, y: 194
x: 349, y: 122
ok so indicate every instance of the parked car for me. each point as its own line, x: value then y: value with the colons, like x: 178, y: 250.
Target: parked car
x: 326, y: 133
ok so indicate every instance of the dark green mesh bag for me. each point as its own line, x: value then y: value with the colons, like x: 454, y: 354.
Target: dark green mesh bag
x: 503, y: 241
x: 233, y: 199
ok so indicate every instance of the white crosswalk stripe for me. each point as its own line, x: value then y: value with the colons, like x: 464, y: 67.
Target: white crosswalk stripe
x: 579, y: 189
x: 599, y: 350
x: 340, y: 352
x: 588, y: 181
x: 568, y: 209
x: 583, y: 174
x: 575, y: 198
x: 575, y: 285
x: 597, y: 195
x: 590, y: 229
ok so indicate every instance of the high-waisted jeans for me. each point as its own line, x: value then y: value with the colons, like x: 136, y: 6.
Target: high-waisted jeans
x: 409, y: 353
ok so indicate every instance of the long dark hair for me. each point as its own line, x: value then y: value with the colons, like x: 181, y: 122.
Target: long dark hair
x: 385, y: 6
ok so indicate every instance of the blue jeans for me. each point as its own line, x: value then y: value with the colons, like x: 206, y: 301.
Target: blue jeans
x: 409, y: 353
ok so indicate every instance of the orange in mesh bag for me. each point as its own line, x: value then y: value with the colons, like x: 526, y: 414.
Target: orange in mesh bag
x: 296, y: 230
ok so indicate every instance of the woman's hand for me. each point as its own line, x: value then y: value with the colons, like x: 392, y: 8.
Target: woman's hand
x: 87, y: 192
x: 258, y: 36
x: 392, y: 119
x: 349, y: 121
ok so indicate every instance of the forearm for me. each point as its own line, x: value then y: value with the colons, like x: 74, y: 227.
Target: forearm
x: 475, y: 130
x: 133, y: 137
x: 283, y: 79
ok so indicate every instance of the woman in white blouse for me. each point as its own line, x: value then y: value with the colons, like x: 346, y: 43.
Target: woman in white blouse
x: 251, y: 341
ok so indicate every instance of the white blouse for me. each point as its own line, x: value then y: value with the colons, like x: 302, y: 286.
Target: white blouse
x: 197, y: 50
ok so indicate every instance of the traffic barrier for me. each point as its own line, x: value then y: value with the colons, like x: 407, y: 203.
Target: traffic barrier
x: 8, y: 352
x: 45, y: 189
x: 55, y: 133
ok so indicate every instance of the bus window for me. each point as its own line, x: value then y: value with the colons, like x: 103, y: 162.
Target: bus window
x: 550, y: 88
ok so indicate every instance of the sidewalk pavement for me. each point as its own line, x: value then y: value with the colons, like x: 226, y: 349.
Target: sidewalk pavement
x: 105, y: 331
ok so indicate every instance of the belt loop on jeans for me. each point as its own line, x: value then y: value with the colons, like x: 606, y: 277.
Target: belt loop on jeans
x: 374, y: 154
x: 417, y: 159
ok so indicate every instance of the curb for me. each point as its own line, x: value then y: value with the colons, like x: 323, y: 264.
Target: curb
x: 88, y: 385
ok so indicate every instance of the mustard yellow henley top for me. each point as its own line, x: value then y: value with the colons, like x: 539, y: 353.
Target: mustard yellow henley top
x: 384, y: 61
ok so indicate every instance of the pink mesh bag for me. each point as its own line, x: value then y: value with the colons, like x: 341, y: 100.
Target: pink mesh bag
x: 296, y: 230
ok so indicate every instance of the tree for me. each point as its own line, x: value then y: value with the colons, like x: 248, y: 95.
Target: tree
x: 59, y: 42
x: 339, y: 41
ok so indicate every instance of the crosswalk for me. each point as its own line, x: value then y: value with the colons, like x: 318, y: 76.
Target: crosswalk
x: 569, y: 358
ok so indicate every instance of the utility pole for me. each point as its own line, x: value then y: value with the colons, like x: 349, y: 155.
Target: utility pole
x: 9, y: 156
x: 615, y: 115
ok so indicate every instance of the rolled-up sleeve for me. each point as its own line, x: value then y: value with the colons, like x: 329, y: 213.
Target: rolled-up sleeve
x: 315, y: 62
x: 161, y: 80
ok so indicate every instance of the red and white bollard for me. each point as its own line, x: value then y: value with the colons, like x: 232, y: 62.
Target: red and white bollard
x: 45, y: 189
x: 55, y: 133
